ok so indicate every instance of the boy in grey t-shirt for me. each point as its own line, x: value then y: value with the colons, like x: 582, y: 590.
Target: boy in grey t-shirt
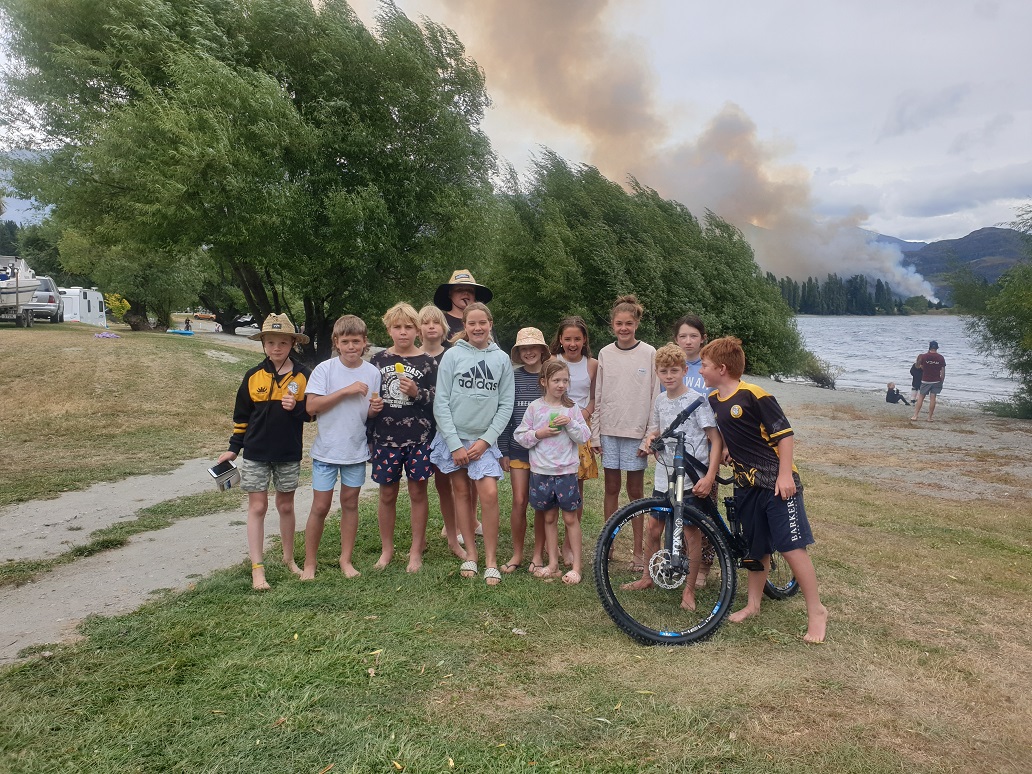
x: 702, y: 442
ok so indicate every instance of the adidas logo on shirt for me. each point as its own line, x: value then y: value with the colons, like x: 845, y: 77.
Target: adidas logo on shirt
x: 479, y: 377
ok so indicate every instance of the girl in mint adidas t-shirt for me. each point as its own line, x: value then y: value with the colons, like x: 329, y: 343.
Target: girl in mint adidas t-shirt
x: 475, y: 398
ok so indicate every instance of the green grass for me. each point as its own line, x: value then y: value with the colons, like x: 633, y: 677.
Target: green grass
x: 82, y: 409
x: 159, y: 516
x: 424, y: 668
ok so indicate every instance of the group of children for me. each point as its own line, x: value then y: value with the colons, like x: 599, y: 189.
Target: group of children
x: 463, y: 412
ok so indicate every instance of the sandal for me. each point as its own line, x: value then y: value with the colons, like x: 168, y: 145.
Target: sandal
x: 492, y: 574
x: 572, y: 578
x: 543, y: 573
x: 509, y: 568
x: 469, y: 569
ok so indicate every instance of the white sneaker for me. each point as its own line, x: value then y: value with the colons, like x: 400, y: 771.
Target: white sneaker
x: 479, y: 530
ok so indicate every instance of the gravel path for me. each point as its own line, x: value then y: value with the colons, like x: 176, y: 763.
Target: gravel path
x: 961, y: 456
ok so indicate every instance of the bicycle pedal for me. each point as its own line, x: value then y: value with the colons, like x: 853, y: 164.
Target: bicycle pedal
x: 752, y: 565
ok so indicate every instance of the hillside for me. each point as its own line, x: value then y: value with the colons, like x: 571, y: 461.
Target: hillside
x: 988, y: 252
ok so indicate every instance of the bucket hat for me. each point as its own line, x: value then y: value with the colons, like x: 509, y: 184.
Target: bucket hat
x: 464, y: 278
x: 529, y: 337
x: 279, y: 323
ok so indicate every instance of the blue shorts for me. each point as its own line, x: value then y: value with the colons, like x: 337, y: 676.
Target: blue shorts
x: 388, y: 462
x: 548, y: 492
x: 770, y: 523
x: 622, y: 454
x: 324, y: 475
x: 488, y: 466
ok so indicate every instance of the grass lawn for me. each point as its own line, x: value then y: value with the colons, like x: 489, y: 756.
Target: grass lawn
x: 81, y: 409
x: 926, y: 668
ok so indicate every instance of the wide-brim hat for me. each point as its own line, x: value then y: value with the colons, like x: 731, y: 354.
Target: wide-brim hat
x: 279, y: 323
x: 462, y: 277
x: 529, y: 337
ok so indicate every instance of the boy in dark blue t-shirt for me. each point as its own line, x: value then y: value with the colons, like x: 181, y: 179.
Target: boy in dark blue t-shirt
x: 768, y: 492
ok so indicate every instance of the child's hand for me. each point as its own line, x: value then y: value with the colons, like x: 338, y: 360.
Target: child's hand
x: 375, y: 405
x: 561, y: 421
x: 546, y: 432
x: 505, y: 464
x: 408, y: 386
x: 227, y: 455
x: 357, y: 388
x: 289, y: 401
x: 460, y: 456
x: 476, y: 451
x: 785, y: 486
x: 703, y: 487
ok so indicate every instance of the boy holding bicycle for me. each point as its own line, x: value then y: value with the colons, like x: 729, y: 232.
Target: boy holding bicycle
x: 768, y: 492
x: 701, y: 440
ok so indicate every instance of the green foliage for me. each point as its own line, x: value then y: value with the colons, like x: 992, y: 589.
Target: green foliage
x: 8, y: 236
x: 570, y: 241
x: 315, y: 163
x: 1001, y: 321
x: 116, y: 305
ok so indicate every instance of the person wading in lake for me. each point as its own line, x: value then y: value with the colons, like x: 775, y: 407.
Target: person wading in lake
x: 933, y: 373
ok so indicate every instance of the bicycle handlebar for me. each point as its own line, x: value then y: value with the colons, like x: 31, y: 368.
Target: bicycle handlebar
x: 671, y: 432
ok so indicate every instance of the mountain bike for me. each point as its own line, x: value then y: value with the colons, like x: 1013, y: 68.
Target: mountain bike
x: 654, y: 616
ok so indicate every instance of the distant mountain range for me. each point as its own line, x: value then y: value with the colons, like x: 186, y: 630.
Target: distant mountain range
x: 988, y: 252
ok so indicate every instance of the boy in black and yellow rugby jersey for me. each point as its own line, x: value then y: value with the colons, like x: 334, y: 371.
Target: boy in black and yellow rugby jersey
x: 268, y: 428
x: 768, y: 492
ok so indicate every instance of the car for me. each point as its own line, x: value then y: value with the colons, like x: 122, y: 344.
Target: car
x: 204, y: 316
x: 47, y: 301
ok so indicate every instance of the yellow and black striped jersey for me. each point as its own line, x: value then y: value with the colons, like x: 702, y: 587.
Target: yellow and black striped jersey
x: 262, y: 429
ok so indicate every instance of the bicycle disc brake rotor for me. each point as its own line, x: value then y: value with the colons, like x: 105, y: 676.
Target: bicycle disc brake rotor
x: 662, y: 574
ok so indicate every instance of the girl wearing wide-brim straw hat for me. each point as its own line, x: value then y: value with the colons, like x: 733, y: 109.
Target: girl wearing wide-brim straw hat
x: 528, y: 356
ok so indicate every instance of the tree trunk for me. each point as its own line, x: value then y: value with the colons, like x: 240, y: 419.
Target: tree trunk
x: 136, y: 317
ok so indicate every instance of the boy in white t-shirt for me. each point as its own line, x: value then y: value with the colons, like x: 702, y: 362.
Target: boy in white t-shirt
x: 343, y: 392
x: 702, y: 441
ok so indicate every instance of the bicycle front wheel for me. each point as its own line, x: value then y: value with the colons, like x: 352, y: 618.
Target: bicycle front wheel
x: 655, y: 616
x: 781, y: 583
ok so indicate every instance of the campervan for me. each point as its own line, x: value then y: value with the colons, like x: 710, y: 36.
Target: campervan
x: 84, y: 305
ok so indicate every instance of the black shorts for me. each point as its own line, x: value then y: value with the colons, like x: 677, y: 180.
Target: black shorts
x: 770, y: 523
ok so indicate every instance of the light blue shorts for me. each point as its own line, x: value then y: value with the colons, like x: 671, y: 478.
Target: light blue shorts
x: 324, y: 475
x: 622, y: 454
x: 488, y: 466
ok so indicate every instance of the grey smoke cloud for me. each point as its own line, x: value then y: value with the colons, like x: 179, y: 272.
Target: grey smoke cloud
x: 913, y: 110
x: 560, y: 59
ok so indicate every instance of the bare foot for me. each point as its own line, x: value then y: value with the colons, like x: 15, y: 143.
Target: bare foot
x: 308, y: 573
x: 348, y: 569
x: 638, y: 585
x: 415, y: 562
x: 384, y: 560
x: 741, y: 615
x: 292, y: 566
x: 258, y: 582
x: 568, y: 560
x: 817, y: 627
x: 688, y: 598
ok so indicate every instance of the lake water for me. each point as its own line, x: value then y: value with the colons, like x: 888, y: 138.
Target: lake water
x: 874, y: 350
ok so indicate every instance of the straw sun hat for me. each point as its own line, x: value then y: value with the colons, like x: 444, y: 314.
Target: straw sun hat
x: 279, y: 323
x: 460, y: 278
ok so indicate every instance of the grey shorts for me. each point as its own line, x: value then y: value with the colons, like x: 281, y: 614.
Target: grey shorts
x: 255, y: 476
x: 931, y: 388
x: 622, y: 454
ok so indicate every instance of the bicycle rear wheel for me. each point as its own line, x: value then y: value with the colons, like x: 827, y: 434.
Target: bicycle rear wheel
x: 781, y: 583
x: 654, y: 615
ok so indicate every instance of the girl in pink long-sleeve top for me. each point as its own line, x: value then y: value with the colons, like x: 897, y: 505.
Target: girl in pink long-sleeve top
x: 552, y: 429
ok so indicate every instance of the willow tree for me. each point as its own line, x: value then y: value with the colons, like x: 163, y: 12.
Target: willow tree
x: 319, y: 166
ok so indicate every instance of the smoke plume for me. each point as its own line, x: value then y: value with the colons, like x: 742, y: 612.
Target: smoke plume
x: 558, y: 58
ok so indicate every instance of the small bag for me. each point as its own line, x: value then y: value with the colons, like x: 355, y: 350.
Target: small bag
x: 588, y: 466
